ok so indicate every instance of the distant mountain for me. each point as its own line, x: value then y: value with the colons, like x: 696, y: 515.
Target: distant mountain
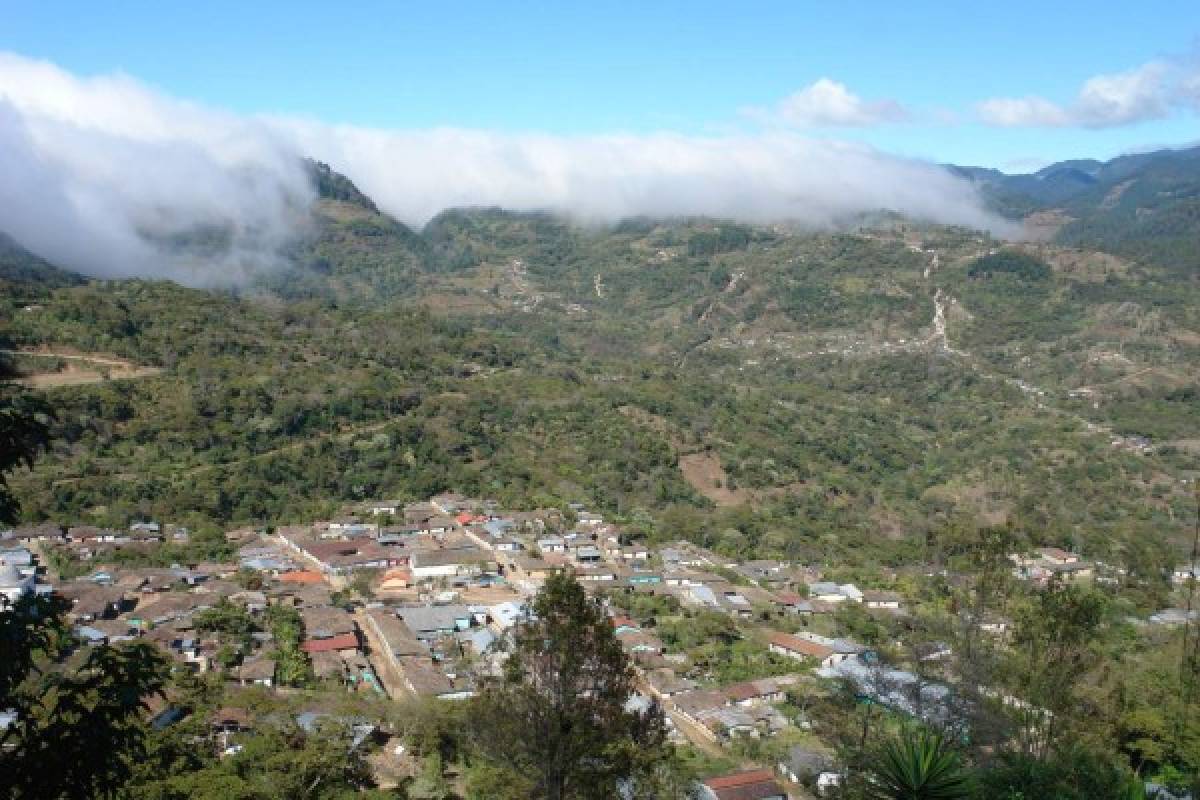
x: 18, y: 266
x: 1144, y: 206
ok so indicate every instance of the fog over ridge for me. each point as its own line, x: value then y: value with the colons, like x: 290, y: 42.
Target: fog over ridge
x: 107, y: 176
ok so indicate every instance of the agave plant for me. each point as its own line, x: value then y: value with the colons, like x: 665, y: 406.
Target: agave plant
x: 919, y: 766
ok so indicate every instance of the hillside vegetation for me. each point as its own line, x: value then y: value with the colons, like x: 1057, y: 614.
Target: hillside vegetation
x: 850, y: 392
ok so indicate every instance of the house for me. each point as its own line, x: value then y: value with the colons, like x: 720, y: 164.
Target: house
x: 89, y: 601
x: 257, y: 672
x: 756, y: 784
x: 19, y: 557
x: 760, y: 692
x: 231, y: 720
x: 302, y: 576
x: 46, y: 532
x: 805, y: 764
x: 666, y: 683
x: 1072, y: 570
x: 343, y: 557
x: 792, y: 603
x: 1184, y: 573
x: 327, y: 621
x: 1173, y: 616
x: 398, y: 639
x: 396, y: 579
x: 1056, y: 556
x: 794, y: 647
x: 450, y: 562
x: 596, y: 574
x: 340, y: 643
x: 433, y: 622
x: 14, y: 585
x: 829, y: 592
x: 533, y: 570
x: 328, y: 663
x: 696, y: 704
x: 587, y: 554
x: 381, y: 507
x: 254, y: 602
x: 552, y: 544
x: 505, y: 615
x: 733, y: 722
x: 636, y: 641
x: 438, y: 525
x: 497, y: 528
x: 889, y: 601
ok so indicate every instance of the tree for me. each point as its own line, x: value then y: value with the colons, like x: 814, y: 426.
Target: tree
x: 919, y: 766
x: 23, y: 432
x: 79, y: 726
x: 78, y: 730
x: 431, y: 783
x: 558, y: 714
x: 1054, y: 646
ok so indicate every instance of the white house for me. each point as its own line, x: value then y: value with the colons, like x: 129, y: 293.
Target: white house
x: 14, y: 585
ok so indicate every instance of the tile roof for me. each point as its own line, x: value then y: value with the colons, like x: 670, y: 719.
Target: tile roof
x: 346, y: 641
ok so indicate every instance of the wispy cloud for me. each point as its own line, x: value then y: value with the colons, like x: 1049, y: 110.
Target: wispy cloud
x: 106, y: 175
x: 829, y: 103
x: 1154, y: 90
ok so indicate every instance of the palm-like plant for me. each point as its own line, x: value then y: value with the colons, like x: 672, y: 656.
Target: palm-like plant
x: 919, y: 766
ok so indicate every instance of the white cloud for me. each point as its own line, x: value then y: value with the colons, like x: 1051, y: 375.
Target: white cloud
x: 100, y: 174
x: 1148, y: 92
x: 828, y: 103
x: 96, y: 173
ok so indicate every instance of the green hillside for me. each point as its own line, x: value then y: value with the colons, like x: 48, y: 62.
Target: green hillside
x: 767, y: 390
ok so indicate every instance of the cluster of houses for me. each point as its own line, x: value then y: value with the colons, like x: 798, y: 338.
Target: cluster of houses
x: 449, y: 577
x: 1048, y: 563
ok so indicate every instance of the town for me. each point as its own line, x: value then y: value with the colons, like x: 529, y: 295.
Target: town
x: 408, y: 601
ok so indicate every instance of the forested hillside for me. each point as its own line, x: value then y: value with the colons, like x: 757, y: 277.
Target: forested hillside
x: 828, y: 393
x: 1144, y: 207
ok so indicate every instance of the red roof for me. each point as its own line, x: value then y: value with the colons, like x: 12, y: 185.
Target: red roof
x: 303, y: 576
x: 740, y: 779
x: 398, y: 573
x: 801, y: 646
x: 623, y: 622
x: 752, y: 785
x: 345, y: 641
x: 464, y: 518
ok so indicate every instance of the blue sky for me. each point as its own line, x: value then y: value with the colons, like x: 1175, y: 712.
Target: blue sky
x: 589, y: 68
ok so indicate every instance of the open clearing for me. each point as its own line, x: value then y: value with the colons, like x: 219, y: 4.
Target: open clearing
x: 78, y: 369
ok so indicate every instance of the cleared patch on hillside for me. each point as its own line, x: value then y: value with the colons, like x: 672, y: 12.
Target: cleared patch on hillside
x: 706, y: 475
x: 45, y: 369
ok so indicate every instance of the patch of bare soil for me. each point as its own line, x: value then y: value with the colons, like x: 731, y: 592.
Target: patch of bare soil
x: 78, y: 369
x: 1042, y: 225
x: 706, y: 475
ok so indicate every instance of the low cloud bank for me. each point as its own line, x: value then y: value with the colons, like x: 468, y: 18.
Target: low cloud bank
x: 109, y: 177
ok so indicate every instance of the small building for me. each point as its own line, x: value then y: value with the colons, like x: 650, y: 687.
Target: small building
x: 888, y: 601
x: 794, y: 647
x: 14, y: 585
x: 756, y: 784
x: 805, y: 765
x: 257, y: 672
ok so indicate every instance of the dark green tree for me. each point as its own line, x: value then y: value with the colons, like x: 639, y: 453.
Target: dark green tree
x: 558, y: 716
x: 78, y: 729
